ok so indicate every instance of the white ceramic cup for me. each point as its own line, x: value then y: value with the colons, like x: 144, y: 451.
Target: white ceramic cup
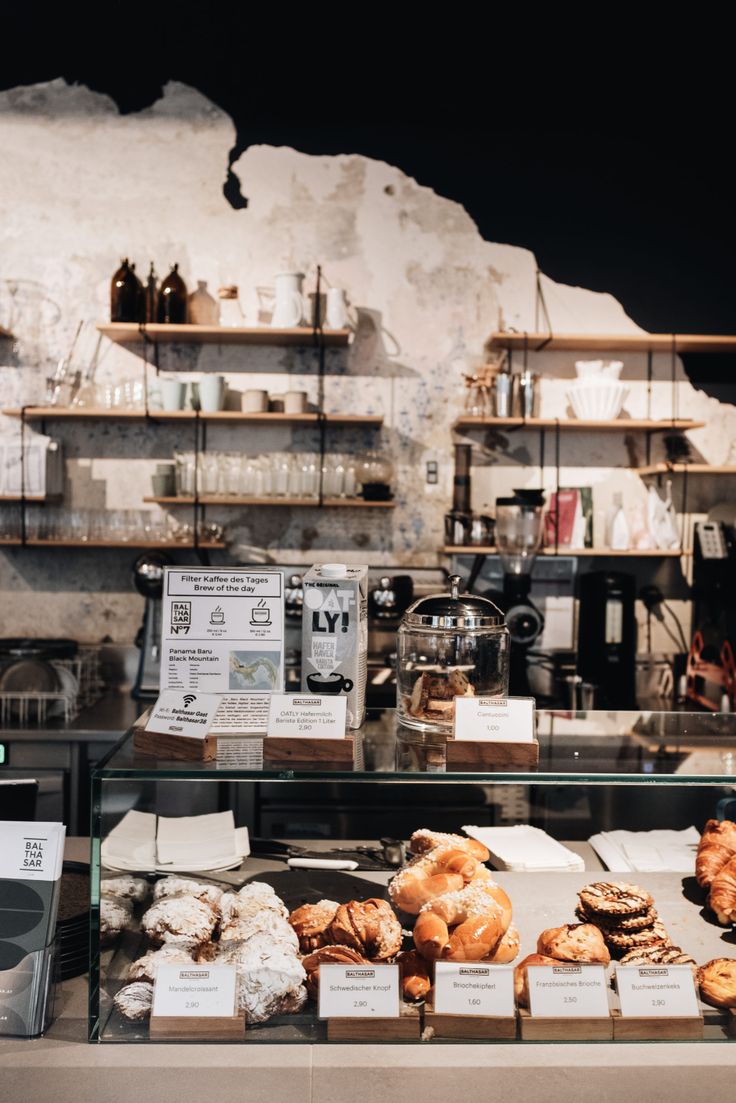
x: 211, y: 393
x: 295, y: 402
x: 289, y: 309
x: 337, y: 309
x: 172, y: 394
x: 255, y: 402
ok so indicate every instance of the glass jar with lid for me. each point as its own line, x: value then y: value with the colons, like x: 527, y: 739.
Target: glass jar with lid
x: 449, y: 645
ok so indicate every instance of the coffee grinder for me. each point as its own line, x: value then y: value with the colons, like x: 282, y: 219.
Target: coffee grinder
x: 519, y: 523
x: 148, y: 576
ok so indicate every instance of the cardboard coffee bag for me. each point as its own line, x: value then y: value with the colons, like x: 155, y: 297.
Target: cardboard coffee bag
x: 335, y: 634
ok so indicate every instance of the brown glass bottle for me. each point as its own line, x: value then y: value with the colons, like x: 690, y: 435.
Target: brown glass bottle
x: 125, y: 294
x: 172, y: 299
x: 151, y: 295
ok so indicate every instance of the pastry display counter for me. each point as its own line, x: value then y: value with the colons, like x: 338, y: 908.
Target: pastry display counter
x: 660, y: 761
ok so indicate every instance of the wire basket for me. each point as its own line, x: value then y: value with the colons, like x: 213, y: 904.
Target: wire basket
x: 82, y: 685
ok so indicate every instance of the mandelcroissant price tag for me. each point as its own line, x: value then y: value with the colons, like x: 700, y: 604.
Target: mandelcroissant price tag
x: 358, y: 991
x: 194, y: 990
x: 568, y: 991
x: 495, y: 719
x: 664, y: 991
x: 298, y: 715
x: 473, y: 989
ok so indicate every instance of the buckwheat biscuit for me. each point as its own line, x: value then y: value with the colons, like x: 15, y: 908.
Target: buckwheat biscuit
x: 657, y: 955
x: 614, y: 898
x: 618, y: 922
x: 623, y: 941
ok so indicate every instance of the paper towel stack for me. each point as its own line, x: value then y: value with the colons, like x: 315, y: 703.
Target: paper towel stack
x: 525, y: 849
x: 144, y: 842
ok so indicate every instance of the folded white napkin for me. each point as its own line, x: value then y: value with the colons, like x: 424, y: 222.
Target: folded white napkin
x: 132, y: 841
x: 209, y: 838
x: 647, y: 851
x: 525, y: 848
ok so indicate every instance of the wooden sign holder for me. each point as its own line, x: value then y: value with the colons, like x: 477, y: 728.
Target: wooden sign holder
x: 634, y: 1028
x: 308, y: 750
x: 197, y: 1028
x: 483, y: 755
x: 534, y: 1028
x: 164, y: 745
x: 405, y: 1028
x: 472, y: 1027
x: 731, y: 1024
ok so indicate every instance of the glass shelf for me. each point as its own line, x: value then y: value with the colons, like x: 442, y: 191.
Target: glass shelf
x: 586, y: 748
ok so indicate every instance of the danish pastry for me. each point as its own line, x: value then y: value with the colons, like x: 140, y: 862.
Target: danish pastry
x: 311, y: 923
x: 574, y: 942
x: 717, y: 982
x: 368, y: 926
x: 328, y: 955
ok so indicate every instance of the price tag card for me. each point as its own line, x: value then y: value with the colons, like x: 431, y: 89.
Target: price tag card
x: 569, y: 991
x: 298, y: 715
x: 664, y: 991
x: 495, y: 719
x: 188, y: 715
x: 194, y: 990
x: 358, y: 991
x: 473, y: 989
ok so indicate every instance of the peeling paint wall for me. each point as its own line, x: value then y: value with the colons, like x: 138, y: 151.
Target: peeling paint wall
x: 82, y: 186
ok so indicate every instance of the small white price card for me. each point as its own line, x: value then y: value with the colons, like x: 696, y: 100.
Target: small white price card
x: 194, y: 990
x: 495, y: 719
x: 299, y: 716
x: 473, y: 989
x: 188, y: 715
x: 358, y: 991
x: 568, y: 991
x: 664, y: 991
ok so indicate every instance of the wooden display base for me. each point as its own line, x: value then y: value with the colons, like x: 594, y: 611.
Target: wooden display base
x: 474, y: 1027
x: 201, y: 1028
x: 163, y: 745
x: 731, y: 1024
x: 406, y: 1028
x: 467, y: 752
x: 308, y: 750
x: 537, y: 1029
x: 631, y: 1028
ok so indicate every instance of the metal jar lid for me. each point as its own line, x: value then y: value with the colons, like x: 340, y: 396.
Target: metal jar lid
x: 453, y: 610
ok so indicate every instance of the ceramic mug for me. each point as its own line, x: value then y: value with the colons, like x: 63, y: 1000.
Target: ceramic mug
x: 337, y: 309
x: 211, y: 393
x: 255, y: 402
x: 290, y: 307
x: 172, y: 394
x: 295, y: 402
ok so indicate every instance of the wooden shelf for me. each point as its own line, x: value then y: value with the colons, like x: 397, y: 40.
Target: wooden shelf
x: 33, y: 499
x: 204, y: 545
x: 125, y: 333
x: 623, y: 342
x: 34, y: 413
x: 5, y: 333
x: 690, y: 468
x: 650, y: 553
x: 222, y: 500
x: 619, y: 425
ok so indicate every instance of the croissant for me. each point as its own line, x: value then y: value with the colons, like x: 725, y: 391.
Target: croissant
x: 722, y: 897
x: 424, y: 839
x: 521, y: 978
x: 710, y: 860
x: 415, y: 982
x: 574, y: 942
x: 444, y: 869
x: 723, y: 831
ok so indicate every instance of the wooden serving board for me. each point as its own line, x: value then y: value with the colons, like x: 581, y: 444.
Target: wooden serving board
x: 163, y: 745
x: 472, y: 753
x: 534, y: 1028
x: 474, y: 1027
x: 200, y: 1028
x: 405, y: 1028
x: 630, y: 1028
x: 308, y: 750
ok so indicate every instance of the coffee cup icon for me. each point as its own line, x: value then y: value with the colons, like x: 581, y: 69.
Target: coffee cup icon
x: 329, y: 683
x: 217, y: 616
x: 260, y: 615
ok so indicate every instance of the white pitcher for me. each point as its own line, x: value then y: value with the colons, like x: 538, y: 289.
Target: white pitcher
x: 290, y: 307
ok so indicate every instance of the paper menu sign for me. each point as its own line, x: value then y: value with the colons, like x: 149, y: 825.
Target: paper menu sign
x: 660, y: 991
x: 187, y: 715
x: 241, y: 712
x: 568, y: 991
x: 222, y: 630
x: 194, y: 990
x: 295, y: 716
x: 32, y: 851
x: 495, y: 719
x: 473, y: 989
x: 358, y: 991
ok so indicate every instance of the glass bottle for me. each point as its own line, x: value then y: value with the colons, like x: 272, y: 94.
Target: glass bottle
x: 172, y: 299
x: 203, y: 307
x: 125, y: 288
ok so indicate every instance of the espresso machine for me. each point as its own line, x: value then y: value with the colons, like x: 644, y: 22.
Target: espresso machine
x: 607, y: 637
x: 519, y: 526
x: 148, y: 576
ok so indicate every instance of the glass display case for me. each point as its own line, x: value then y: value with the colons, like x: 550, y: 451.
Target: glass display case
x: 597, y: 772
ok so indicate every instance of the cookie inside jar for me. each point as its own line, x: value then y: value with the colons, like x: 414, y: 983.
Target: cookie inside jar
x: 449, y: 645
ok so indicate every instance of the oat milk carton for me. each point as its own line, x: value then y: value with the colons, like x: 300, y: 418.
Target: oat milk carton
x: 335, y: 634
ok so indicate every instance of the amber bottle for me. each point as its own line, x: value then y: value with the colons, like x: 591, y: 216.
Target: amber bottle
x: 172, y: 299
x: 125, y: 294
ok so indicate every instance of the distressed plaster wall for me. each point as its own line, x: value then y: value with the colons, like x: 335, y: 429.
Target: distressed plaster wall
x: 82, y: 186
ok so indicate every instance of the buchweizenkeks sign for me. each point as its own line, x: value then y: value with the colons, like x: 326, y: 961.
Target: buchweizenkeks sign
x: 222, y: 630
